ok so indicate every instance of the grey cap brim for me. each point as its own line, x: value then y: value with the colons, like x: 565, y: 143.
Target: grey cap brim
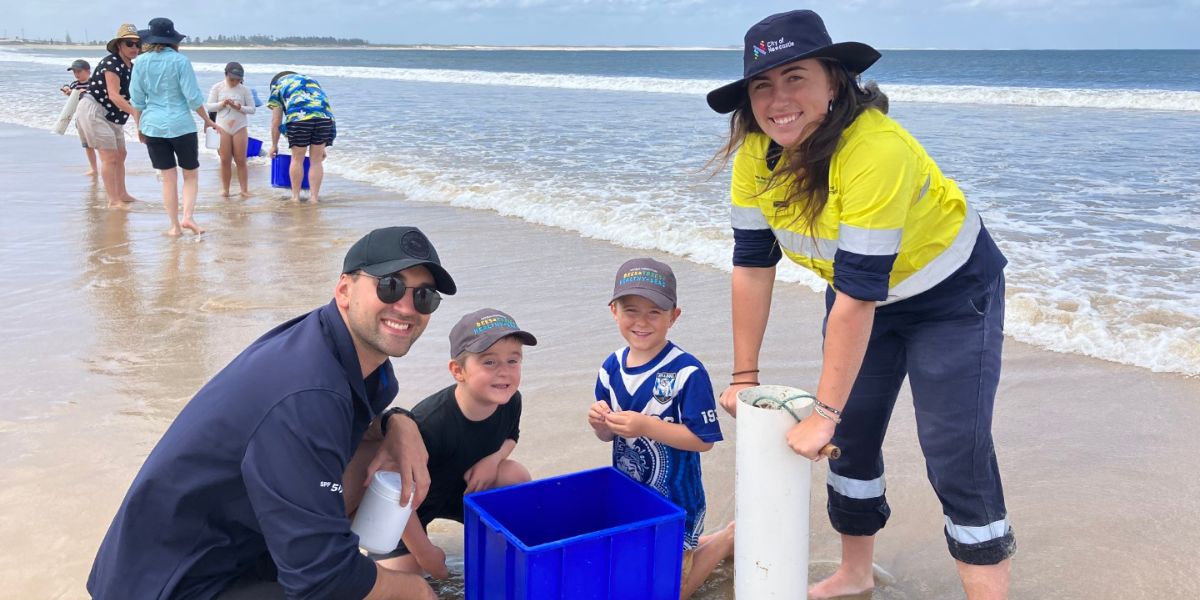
x: 855, y: 56
x: 660, y: 300
x: 486, y: 340
x: 441, y: 279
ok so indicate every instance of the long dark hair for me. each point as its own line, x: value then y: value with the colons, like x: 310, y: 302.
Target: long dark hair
x: 806, y: 165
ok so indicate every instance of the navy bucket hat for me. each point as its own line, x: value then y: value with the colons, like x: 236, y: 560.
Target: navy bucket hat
x: 161, y: 31
x: 783, y: 38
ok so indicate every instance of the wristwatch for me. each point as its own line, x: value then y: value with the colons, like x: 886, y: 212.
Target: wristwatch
x: 387, y: 415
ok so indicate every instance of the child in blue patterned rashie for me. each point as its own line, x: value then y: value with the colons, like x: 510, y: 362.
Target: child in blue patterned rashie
x: 655, y: 403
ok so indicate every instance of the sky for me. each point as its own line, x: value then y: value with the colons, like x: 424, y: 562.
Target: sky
x: 892, y: 24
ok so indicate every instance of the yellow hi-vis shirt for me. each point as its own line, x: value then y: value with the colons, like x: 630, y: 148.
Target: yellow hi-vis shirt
x: 893, y: 226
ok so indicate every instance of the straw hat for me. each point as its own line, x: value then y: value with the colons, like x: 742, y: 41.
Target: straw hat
x: 125, y: 32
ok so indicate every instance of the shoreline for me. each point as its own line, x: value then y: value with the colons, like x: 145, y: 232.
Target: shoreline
x: 116, y: 327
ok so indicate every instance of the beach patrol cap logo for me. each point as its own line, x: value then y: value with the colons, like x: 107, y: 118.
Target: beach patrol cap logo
x: 643, y: 275
x: 415, y: 244
x: 494, y: 322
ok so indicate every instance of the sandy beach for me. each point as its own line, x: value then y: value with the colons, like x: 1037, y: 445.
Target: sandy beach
x: 112, y: 327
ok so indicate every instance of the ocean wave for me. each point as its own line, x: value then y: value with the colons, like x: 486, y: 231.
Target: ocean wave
x: 1113, y: 99
x: 1162, y: 336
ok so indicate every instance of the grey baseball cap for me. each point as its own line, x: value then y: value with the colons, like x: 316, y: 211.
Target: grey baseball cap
x: 235, y: 69
x: 391, y: 249
x: 477, y: 331
x: 80, y: 64
x: 648, y: 278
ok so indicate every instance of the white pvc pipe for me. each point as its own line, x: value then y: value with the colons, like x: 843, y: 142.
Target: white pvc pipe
x: 771, y: 561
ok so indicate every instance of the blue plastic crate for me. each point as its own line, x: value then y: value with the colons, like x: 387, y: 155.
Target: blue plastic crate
x: 280, y: 177
x: 590, y: 535
x: 253, y: 147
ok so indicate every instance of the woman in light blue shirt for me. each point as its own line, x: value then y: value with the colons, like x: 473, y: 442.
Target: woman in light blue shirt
x: 164, y: 91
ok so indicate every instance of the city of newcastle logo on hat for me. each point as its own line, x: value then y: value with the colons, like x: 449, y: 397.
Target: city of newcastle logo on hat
x: 494, y: 322
x: 645, y: 276
x: 765, y: 48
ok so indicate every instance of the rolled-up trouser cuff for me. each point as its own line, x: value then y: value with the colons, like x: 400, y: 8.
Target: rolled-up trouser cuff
x: 852, y: 516
x: 984, y: 553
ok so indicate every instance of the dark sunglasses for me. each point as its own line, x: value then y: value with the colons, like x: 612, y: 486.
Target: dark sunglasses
x: 129, y: 44
x: 390, y: 290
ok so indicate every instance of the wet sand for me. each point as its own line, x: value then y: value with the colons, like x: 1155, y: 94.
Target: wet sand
x: 111, y: 327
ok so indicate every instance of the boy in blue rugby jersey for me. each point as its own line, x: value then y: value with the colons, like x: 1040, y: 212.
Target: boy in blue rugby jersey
x: 655, y: 403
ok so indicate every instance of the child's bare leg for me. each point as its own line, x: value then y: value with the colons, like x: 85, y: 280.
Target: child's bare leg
x: 170, y: 197
x: 191, y: 184
x: 240, y: 139
x: 296, y: 170
x: 406, y: 564
x: 91, y: 156
x: 316, y: 171
x: 511, y: 472
x: 712, y: 550
x: 856, y: 573
x: 225, y: 152
x: 985, y: 582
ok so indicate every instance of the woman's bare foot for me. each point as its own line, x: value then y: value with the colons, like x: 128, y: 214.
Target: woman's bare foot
x: 173, y: 232
x: 225, y: 194
x: 296, y: 199
x: 192, y: 226
x: 117, y: 206
x: 842, y: 583
x: 90, y: 173
x: 128, y: 199
x: 245, y: 193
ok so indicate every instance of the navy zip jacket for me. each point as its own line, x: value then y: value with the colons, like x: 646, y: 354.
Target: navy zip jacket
x: 250, y: 474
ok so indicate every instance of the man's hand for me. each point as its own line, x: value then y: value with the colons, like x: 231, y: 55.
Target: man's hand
x: 274, y: 151
x: 626, y: 423
x: 403, y: 451
x: 482, y: 475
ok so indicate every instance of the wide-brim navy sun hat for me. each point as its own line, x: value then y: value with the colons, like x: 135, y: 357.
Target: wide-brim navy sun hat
x: 783, y: 38
x: 161, y: 31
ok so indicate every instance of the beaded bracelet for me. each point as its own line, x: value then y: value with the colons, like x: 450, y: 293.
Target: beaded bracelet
x: 736, y: 373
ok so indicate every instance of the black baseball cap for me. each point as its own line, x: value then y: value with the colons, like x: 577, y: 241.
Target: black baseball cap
x: 391, y: 249
x: 783, y: 38
x: 79, y: 64
x: 477, y: 331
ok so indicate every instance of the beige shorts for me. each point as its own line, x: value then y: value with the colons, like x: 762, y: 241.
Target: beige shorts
x: 94, y: 130
x: 688, y: 556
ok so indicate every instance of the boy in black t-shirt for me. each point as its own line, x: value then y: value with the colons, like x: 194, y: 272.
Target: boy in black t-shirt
x: 469, y: 429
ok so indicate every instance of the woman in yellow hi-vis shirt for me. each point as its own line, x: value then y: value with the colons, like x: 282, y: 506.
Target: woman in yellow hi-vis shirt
x: 916, y: 287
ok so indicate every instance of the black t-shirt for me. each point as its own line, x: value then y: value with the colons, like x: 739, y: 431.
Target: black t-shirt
x: 456, y: 443
x: 98, y: 87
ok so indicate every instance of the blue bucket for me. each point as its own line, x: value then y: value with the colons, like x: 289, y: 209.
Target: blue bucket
x: 280, y: 177
x: 253, y: 147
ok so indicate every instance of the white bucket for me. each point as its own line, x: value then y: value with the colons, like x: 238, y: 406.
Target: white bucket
x: 380, y: 519
x: 773, y: 485
x: 212, y: 139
